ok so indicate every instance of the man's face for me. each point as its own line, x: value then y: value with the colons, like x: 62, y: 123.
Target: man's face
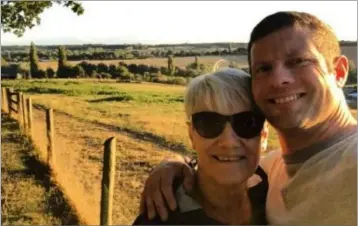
x: 290, y: 80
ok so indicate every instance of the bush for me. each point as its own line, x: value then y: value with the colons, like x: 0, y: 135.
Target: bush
x: 50, y: 72
x: 127, y: 77
x: 159, y: 78
x: 101, y: 67
x: 177, y: 81
x: 106, y: 75
x: 193, y: 72
x: 42, y: 74
x: 146, y: 76
x: 87, y: 67
x: 79, y: 72
x: 18, y: 76
x: 94, y: 74
x: 138, y: 78
x: 66, y: 71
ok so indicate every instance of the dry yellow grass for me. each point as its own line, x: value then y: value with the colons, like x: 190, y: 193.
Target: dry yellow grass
x: 29, y: 197
x: 78, y: 166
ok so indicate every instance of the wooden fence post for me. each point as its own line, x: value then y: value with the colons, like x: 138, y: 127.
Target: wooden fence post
x: 50, y: 138
x: 9, y: 92
x: 4, y: 99
x: 19, y: 110
x: 24, y: 113
x: 29, y: 116
x: 109, y: 168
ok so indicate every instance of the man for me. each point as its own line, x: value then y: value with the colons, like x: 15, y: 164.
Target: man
x: 297, y: 77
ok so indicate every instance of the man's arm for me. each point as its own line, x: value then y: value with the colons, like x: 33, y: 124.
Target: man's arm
x: 160, y: 183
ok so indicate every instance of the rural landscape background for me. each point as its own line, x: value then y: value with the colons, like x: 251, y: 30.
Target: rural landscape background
x: 133, y: 92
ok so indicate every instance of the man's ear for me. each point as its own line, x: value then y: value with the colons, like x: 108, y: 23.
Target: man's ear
x: 341, y: 69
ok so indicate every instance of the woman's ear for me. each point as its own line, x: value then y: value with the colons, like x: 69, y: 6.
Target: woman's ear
x: 341, y: 69
x: 190, y: 132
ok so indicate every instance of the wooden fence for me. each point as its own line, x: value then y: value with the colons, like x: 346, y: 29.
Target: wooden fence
x: 19, y: 107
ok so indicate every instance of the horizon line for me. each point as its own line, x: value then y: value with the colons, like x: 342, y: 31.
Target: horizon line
x: 139, y: 43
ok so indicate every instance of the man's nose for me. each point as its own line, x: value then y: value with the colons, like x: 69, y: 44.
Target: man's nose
x: 281, y: 76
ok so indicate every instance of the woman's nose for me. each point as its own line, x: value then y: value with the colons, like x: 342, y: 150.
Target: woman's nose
x: 228, y: 138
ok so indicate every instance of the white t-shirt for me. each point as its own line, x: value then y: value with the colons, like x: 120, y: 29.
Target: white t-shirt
x: 318, y: 190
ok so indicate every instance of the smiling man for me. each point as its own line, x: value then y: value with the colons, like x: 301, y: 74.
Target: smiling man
x: 297, y: 77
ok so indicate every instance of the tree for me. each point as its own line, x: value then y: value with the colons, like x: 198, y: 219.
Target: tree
x: 17, y: 16
x: 196, y: 62
x: 3, y: 62
x: 34, y: 61
x: 79, y: 72
x: 62, y: 57
x: 50, y: 72
x: 101, y: 67
x: 230, y: 48
x: 64, y: 69
x: 352, y: 74
x: 170, y: 65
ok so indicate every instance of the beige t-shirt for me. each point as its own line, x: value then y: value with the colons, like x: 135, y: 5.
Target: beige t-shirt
x: 320, y: 190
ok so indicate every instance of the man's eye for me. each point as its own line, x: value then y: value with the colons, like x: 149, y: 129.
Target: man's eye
x: 263, y: 68
x: 298, y: 61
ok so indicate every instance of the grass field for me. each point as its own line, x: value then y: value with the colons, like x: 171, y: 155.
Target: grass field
x: 154, y: 110
x: 147, y: 120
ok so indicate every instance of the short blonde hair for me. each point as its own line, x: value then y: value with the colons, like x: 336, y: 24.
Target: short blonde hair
x: 221, y: 90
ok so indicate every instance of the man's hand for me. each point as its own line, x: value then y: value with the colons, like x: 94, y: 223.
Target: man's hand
x: 160, y: 183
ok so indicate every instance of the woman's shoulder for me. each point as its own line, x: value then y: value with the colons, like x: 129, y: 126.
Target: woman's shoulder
x: 194, y: 217
x: 189, y: 212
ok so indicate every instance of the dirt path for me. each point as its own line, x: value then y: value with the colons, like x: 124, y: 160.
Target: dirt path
x: 28, y: 195
x: 78, y: 164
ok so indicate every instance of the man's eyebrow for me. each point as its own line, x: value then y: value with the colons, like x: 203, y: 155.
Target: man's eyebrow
x: 294, y: 52
x: 297, y: 52
x: 261, y: 62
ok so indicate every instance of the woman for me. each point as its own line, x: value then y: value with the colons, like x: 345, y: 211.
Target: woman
x: 225, y: 130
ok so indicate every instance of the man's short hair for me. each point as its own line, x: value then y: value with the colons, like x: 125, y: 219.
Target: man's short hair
x: 323, y: 36
x: 223, y: 90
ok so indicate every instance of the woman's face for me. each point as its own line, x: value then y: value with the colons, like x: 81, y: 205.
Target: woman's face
x: 228, y: 158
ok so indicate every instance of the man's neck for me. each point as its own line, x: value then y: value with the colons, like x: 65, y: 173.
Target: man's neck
x: 228, y: 204
x: 340, y: 124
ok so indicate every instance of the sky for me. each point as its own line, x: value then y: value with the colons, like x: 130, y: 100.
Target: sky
x: 154, y: 22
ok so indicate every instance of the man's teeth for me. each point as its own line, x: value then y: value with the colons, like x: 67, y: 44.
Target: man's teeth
x: 229, y: 158
x: 286, y: 99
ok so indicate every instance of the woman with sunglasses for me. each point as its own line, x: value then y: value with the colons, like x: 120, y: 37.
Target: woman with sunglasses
x: 225, y: 130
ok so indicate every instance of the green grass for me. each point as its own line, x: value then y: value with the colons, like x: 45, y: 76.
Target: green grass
x: 81, y: 88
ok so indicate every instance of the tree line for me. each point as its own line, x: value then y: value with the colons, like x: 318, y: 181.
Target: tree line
x: 124, y: 52
x: 121, y: 71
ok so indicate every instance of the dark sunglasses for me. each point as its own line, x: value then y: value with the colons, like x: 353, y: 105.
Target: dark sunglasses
x: 246, y: 124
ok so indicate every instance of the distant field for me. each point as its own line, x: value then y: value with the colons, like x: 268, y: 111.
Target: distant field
x: 182, y: 62
x: 178, y: 61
